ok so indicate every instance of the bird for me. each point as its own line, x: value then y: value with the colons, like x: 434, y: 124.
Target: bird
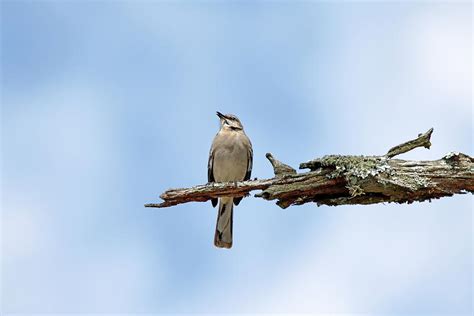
x: 230, y: 160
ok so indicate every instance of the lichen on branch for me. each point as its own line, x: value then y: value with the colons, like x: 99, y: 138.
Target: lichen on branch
x: 339, y: 180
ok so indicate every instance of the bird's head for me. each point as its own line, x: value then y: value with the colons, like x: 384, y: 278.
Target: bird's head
x: 230, y: 122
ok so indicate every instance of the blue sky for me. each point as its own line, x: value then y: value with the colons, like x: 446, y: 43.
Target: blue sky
x: 107, y: 104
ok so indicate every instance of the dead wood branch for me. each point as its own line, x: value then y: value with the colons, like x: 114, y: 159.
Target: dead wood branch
x: 339, y: 180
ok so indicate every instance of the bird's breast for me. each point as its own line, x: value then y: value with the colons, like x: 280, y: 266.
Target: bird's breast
x: 230, y: 158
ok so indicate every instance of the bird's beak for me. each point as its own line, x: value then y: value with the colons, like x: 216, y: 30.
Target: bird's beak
x: 220, y: 115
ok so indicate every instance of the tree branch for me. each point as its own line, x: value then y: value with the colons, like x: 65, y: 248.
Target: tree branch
x: 339, y: 180
x: 423, y: 140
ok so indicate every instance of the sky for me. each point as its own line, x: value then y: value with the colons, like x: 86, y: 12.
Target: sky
x: 106, y: 104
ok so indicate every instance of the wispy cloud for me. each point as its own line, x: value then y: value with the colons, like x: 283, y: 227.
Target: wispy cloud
x: 127, y: 110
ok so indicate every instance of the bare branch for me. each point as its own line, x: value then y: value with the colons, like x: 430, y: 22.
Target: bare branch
x: 423, y: 140
x: 339, y: 180
x: 279, y: 168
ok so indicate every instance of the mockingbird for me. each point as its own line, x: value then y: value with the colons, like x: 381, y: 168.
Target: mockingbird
x: 230, y: 159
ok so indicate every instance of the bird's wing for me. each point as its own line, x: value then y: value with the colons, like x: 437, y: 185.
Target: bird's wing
x: 210, y: 172
x: 249, y: 163
x: 210, y: 165
x: 249, y: 171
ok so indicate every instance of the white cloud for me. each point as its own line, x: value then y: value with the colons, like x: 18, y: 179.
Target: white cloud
x: 66, y: 125
x: 26, y: 229
x: 440, y: 42
x: 59, y: 155
x: 370, y: 256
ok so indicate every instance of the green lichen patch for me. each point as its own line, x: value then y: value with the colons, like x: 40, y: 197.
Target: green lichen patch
x: 451, y: 155
x: 354, y: 166
x: 457, y: 157
x: 355, y: 190
x: 401, y: 183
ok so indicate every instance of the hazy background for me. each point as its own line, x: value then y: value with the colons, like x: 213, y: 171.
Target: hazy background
x: 107, y: 104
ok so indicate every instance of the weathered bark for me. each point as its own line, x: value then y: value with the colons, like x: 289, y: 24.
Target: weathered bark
x: 423, y: 140
x: 339, y: 180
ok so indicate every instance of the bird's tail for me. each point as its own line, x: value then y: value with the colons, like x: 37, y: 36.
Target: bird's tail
x: 223, y: 236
